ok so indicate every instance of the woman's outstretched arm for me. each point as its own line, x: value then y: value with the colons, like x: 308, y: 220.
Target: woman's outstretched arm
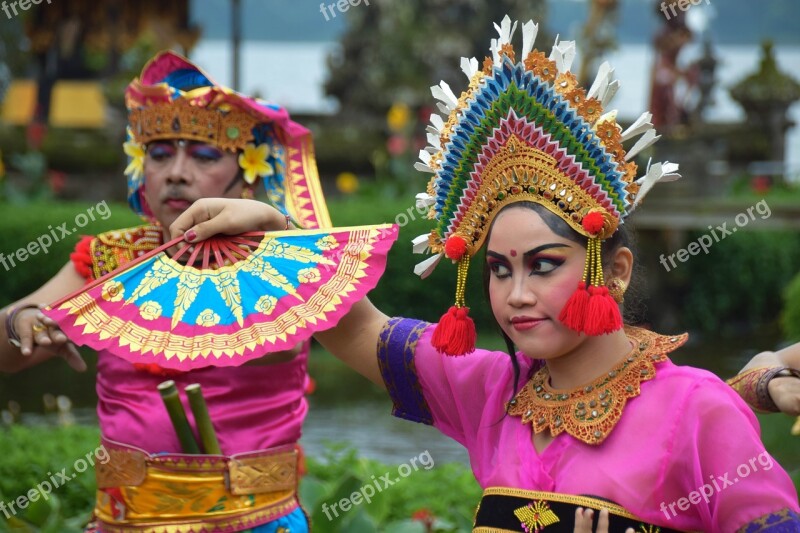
x: 354, y: 339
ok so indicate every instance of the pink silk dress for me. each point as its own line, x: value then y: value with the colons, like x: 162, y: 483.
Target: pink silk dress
x: 685, y: 430
x: 253, y: 407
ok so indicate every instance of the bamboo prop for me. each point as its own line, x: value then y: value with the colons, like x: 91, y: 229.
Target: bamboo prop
x: 208, y: 437
x: 169, y: 393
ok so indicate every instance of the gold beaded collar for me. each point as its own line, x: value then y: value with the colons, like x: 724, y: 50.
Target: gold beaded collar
x: 589, y: 413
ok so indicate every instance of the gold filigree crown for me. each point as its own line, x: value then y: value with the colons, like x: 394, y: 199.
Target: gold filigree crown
x: 230, y: 129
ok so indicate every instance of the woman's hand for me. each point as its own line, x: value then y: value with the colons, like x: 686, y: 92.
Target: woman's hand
x: 583, y: 521
x: 785, y: 392
x: 36, y: 331
x: 211, y: 216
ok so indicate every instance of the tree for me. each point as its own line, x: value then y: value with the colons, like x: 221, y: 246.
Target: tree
x: 394, y: 51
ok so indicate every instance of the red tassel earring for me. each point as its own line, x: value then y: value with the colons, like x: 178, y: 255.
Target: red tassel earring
x: 591, y: 309
x: 455, y: 333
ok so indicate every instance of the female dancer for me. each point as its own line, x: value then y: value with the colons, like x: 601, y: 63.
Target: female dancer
x: 586, y: 413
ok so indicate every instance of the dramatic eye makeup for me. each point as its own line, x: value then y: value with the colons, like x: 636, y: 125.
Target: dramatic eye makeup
x: 160, y: 150
x: 544, y: 263
x: 535, y: 259
x: 205, y: 152
x: 498, y: 265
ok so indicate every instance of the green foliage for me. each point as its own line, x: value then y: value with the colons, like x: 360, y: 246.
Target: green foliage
x: 778, y: 440
x: 790, y: 318
x: 33, y: 166
x: 23, y: 224
x: 68, y: 149
x: 33, y: 455
x: 742, y: 277
x: 446, y: 493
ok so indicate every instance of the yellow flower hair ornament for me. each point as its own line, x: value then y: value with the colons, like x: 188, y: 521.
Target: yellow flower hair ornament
x: 254, y: 161
x: 135, y: 151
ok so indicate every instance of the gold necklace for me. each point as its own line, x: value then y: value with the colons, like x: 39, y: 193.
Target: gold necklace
x: 590, y: 412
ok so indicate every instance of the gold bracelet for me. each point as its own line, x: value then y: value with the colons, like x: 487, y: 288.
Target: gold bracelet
x: 753, y: 386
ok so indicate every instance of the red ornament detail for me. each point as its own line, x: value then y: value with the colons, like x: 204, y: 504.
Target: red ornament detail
x: 455, y: 247
x: 82, y: 258
x: 154, y: 369
x: 455, y: 333
x: 593, y: 223
x: 602, y: 313
x: 573, y: 314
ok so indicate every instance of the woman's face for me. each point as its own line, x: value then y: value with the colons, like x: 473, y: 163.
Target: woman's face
x: 532, y: 273
x: 176, y: 173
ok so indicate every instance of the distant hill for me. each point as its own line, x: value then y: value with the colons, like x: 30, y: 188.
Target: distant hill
x: 735, y: 22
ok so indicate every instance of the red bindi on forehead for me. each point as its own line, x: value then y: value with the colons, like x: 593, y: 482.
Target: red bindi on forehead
x: 513, y: 253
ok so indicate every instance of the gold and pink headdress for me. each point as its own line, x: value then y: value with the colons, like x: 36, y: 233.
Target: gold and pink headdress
x: 174, y: 99
x: 526, y: 131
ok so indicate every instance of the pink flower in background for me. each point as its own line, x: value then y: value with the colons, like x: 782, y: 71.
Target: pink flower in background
x: 397, y: 145
x: 761, y: 184
x: 425, y: 516
x: 57, y: 181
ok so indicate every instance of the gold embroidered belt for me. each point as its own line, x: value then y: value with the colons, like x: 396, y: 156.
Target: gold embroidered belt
x: 514, y: 510
x: 178, y: 493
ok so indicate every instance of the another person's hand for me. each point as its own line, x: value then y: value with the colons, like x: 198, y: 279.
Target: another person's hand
x: 211, y: 216
x: 583, y: 521
x: 785, y: 392
x: 40, y: 333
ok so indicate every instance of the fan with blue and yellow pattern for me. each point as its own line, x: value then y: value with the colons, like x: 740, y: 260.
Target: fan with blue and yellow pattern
x: 228, y: 299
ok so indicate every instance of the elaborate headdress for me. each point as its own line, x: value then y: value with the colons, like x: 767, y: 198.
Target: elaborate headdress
x: 525, y: 131
x: 174, y: 99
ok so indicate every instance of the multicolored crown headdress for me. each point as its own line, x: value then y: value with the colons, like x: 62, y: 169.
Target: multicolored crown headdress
x: 174, y: 99
x: 525, y: 131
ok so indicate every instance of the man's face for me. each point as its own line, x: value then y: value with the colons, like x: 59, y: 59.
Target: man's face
x: 179, y: 172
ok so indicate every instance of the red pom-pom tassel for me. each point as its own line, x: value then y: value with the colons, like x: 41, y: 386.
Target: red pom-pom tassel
x: 455, y: 247
x: 573, y: 314
x: 602, y: 315
x: 593, y: 222
x: 82, y: 258
x: 455, y: 333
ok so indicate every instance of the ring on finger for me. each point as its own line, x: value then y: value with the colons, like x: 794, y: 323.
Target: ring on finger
x: 38, y: 327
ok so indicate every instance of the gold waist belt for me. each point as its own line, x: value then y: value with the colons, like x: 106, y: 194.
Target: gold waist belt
x: 178, y: 493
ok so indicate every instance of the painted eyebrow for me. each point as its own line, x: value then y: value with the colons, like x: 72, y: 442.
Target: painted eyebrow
x: 529, y: 253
